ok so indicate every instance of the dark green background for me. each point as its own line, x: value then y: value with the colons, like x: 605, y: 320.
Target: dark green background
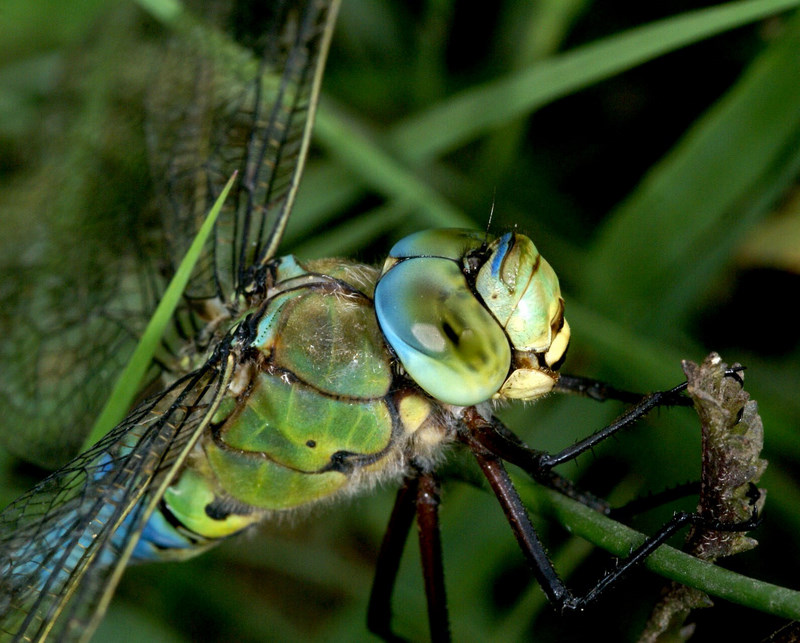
x: 664, y: 196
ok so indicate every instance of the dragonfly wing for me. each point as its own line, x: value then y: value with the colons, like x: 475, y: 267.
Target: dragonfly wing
x: 222, y: 105
x: 76, y: 284
x: 58, y: 364
x: 74, y: 302
x: 64, y: 544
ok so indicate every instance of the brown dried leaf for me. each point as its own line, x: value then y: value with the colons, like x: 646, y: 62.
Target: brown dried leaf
x: 732, y: 438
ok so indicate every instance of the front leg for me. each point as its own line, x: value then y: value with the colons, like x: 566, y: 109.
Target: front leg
x: 474, y: 436
x: 601, y: 391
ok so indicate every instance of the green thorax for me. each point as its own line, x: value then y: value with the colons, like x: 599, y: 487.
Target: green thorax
x: 312, y: 407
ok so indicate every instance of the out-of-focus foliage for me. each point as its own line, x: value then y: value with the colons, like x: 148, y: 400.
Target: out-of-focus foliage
x: 663, y: 193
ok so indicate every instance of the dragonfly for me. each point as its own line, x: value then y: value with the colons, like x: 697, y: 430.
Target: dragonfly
x: 298, y: 381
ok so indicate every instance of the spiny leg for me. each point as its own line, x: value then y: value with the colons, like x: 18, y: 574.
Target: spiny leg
x: 601, y: 391
x: 520, y: 522
x: 482, y: 436
x: 641, y: 505
x: 499, y: 440
x: 491, y: 442
x: 538, y: 463
x: 419, y: 495
x: 671, y: 397
x: 678, y: 521
x: 496, y: 439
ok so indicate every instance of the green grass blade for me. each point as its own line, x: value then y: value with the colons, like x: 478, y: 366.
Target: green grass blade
x: 454, y: 122
x: 380, y: 170
x: 382, y: 163
x: 167, y: 11
x: 698, y: 199
x: 127, y: 385
x: 671, y: 563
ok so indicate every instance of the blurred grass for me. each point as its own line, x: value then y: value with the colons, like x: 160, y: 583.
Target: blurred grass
x: 652, y: 193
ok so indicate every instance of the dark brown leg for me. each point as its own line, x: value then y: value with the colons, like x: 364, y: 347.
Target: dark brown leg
x: 520, y: 522
x: 379, y: 614
x: 516, y: 513
x: 430, y: 546
x: 419, y: 495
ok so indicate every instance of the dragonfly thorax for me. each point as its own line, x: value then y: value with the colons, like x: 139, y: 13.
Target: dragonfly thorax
x: 314, y: 408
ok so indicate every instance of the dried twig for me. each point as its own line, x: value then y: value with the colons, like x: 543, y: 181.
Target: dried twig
x: 732, y: 438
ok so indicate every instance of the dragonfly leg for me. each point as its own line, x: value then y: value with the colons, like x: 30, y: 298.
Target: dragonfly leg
x: 496, y: 438
x: 602, y: 391
x: 379, y: 613
x: 419, y: 495
x: 430, y: 545
x: 493, y: 436
x: 646, y: 403
x: 533, y: 549
x: 539, y: 464
x: 517, y: 516
x: 678, y: 521
x: 670, y: 397
x: 490, y: 444
x: 652, y: 500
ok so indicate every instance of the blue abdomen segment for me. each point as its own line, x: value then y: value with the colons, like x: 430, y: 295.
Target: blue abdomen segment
x: 161, y: 540
x: 192, y: 516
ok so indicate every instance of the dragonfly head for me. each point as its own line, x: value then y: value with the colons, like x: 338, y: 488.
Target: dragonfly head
x: 471, y: 318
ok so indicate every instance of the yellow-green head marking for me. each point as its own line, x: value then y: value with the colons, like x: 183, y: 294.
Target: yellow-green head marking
x: 473, y: 318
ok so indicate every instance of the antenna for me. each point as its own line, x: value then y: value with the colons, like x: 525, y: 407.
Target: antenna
x: 491, y: 214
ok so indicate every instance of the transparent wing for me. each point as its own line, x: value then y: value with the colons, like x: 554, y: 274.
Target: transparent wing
x: 76, y: 279
x: 73, y: 304
x: 247, y: 105
x: 63, y: 342
x: 64, y: 544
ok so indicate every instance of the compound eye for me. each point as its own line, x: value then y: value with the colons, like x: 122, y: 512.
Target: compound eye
x: 445, y: 338
x: 521, y: 290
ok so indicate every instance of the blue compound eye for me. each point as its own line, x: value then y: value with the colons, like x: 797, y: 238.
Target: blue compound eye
x: 445, y: 338
x: 471, y: 317
x: 450, y: 243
